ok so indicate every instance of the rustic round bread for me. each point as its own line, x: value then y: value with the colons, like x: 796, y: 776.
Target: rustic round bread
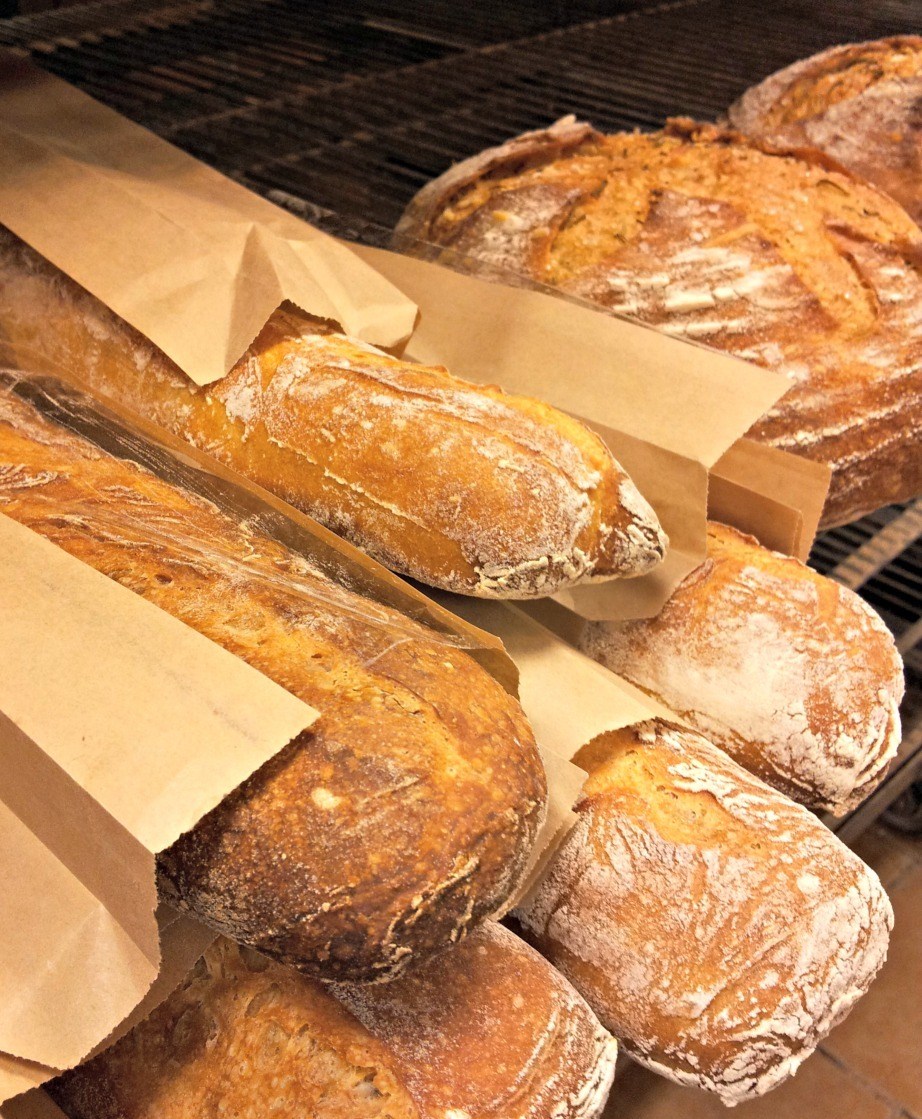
x: 776, y: 257
x: 858, y: 103
x: 401, y: 819
x: 789, y: 672
x: 718, y: 929
x: 486, y: 1030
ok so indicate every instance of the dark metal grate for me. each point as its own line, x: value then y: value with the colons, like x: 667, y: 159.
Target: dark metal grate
x: 631, y: 71
x: 356, y: 105
x: 882, y: 556
x: 347, y: 107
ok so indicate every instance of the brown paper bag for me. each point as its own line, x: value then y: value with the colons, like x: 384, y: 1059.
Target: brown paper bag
x: 775, y: 496
x: 182, y: 942
x: 672, y: 412
x: 569, y: 701
x: 209, y: 261
x: 80, y: 943
x: 192, y: 260
x: 108, y: 752
x: 120, y: 729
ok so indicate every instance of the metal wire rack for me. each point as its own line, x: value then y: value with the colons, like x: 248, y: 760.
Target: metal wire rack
x: 348, y: 107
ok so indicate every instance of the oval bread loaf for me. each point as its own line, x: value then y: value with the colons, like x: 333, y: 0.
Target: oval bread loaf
x: 858, y: 102
x: 775, y: 257
x: 790, y: 673
x: 458, y: 485
x: 486, y: 1030
x: 717, y: 929
x: 400, y: 820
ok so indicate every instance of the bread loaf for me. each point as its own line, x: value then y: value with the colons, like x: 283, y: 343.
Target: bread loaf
x: 486, y: 1030
x: 858, y: 103
x: 458, y: 485
x: 789, y: 672
x: 400, y: 820
x: 717, y: 929
x: 777, y: 258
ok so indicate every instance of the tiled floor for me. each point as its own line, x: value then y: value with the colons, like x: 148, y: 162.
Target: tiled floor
x: 870, y: 1067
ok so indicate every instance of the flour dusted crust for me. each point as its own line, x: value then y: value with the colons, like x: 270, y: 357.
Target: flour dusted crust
x: 789, y: 672
x: 487, y: 1030
x: 778, y: 257
x: 393, y: 826
x: 859, y: 103
x: 458, y: 485
x: 717, y: 929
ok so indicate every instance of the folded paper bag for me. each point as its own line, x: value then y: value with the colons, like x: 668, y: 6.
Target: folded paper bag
x: 182, y: 942
x: 121, y: 727
x: 569, y: 701
x: 192, y: 260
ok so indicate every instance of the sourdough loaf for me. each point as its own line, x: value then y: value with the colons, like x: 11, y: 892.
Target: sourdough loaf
x: 789, y: 672
x: 400, y: 820
x: 858, y: 103
x: 716, y: 928
x: 458, y: 485
x: 486, y: 1030
x: 778, y: 258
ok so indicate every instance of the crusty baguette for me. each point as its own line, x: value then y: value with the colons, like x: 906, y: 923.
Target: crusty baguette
x: 486, y: 1030
x: 789, y: 672
x: 390, y: 828
x: 777, y: 257
x: 716, y: 928
x: 458, y: 485
x: 857, y: 102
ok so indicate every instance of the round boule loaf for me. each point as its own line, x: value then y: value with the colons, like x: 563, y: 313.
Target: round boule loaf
x: 789, y: 672
x: 857, y: 102
x: 401, y: 819
x: 717, y: 929
x: 778, y: 257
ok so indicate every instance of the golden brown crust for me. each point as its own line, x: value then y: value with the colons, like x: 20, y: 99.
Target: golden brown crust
x: 496, y: 1033
x: 398, y: 822
x: 789, y: 672
x: 779, y: 257
x: 716, y: 928
x: 243, y: 1037
x: 487, y: 1030
x: 461, y: 486
x: 858, y: 102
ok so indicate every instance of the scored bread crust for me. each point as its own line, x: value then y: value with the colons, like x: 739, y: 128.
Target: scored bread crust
x: 792, y: 674
x: 857, y: 102
x: 716, y: 928
x: 391, y: 827
x: 486, y: 1030
x: 779, y: 257
x: 458, y: 485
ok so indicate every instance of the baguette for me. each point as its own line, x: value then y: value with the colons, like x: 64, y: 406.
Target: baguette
x: 717, y: 929
x: 858, y: 103
x: 458, y: 485
x: 776, y: 257
x: 790, y: 673
x: 391, y: 827
x: 486, y: 1030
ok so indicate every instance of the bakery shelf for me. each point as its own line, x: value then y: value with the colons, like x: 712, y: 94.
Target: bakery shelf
x: 268, y: 92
